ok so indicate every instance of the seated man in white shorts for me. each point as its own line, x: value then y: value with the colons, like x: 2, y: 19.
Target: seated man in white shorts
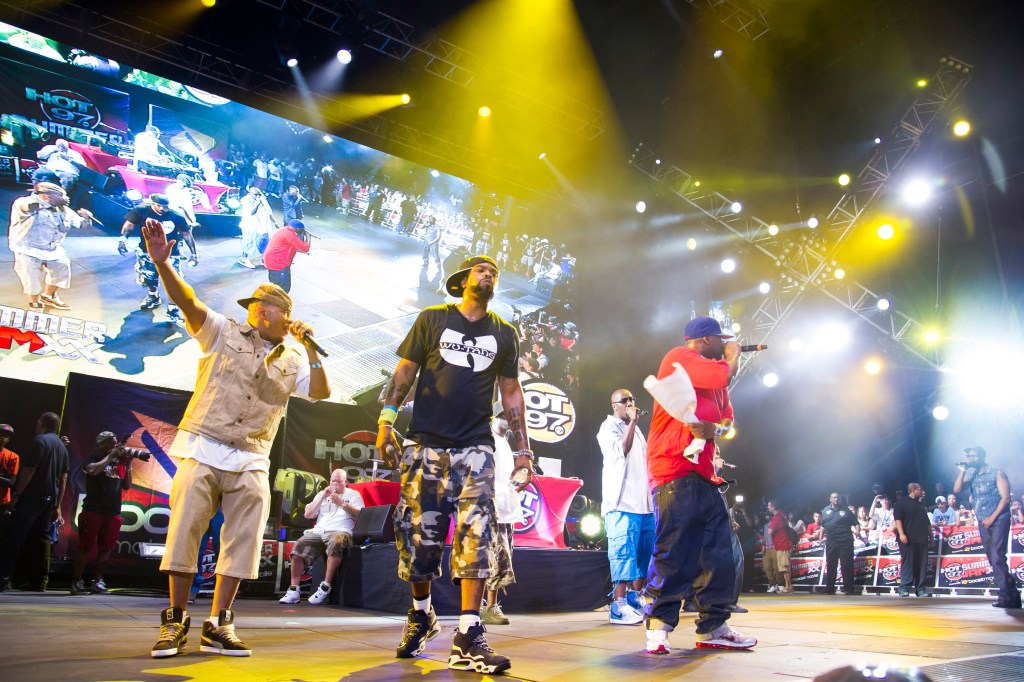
x: 336, y: 509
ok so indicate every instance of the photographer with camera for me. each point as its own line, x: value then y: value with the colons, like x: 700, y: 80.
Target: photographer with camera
x: 107, y: 475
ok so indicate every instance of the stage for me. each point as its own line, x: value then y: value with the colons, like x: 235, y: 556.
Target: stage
x: 54, y: 636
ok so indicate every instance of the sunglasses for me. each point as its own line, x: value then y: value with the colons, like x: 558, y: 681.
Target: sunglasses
x: 625, y: 401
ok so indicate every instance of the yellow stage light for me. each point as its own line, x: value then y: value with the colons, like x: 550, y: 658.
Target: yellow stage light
x: 406, y: 99
x: 484, y: 111
x: 872, y: 367
x: 773, y: 229
x: 208, y: 3
x: 844, y: 180
x: 922, y: 83
x: 839, y: 273
x: 885, y: 231
x: 961, y: 128
x: 691, y: 244
x: 931, y: 336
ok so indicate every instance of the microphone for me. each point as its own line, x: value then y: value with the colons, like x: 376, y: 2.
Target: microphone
x: 756, y: 346
x: 642, y: 413
x: 308, y: 339
x: 727, y: 464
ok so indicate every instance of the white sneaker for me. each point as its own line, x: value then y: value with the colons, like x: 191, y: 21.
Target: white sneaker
x: 725, y: 638
x: 290, y: 597
x: 624, y: 614
x: 246, y: 263
x: 657, y: 643
x: 773, y: 589
x: 321, y: 593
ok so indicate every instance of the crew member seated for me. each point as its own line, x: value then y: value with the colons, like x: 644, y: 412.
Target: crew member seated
x: 336, y: 509
x: 62, y: 160
x: 147, y: 147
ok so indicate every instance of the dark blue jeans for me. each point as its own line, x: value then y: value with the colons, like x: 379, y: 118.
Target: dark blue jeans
x: 282, y: 278
x: 994, y: 539
x: 913, y: 567
x: 692, y: 537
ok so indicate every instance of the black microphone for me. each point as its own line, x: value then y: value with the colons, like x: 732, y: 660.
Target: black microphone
x: 308, y: 339
x: 642, y: 413
x: 756, y: 346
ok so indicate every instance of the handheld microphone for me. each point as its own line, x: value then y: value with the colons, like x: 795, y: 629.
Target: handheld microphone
x: 727, y: 464
x: 308, y: 339
x: 642, y: 413
x: 756, y: 346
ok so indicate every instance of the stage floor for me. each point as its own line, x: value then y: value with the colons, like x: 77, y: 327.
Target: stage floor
x: 54, y: 636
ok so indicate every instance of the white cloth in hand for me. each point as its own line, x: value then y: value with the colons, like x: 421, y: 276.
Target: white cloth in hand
x: 676, y: 396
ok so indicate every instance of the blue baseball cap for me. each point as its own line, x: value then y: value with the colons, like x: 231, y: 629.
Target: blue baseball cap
x: 702, y: 326
x: 297, y: 224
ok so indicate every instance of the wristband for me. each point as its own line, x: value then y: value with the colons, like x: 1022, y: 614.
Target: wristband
x: 316, y: 365
x: 388, y: 415
x: 524, y: 453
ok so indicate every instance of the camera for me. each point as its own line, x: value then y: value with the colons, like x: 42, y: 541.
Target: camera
x: 878, y: 489
x: 129, y: 453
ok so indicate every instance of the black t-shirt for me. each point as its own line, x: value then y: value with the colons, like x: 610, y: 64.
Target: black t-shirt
x: 914, y: 517
x: 49, y: 458
x: 103, y: 491
x: 459, y: 363
x: 837, y: 523
x: 174, y: 224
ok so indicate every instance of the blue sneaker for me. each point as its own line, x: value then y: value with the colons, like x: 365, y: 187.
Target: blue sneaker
x: 633, y: 599
x: 624, y: 614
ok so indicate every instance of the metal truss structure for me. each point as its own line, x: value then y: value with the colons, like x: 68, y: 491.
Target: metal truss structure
x: 211, y: 67
x: 807, y: 261
x: 752, y: 22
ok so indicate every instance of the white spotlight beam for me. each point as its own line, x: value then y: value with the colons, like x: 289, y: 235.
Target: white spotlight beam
x: 809, y: 261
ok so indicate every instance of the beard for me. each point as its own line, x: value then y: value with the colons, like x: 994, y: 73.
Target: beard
x: 483, y: 292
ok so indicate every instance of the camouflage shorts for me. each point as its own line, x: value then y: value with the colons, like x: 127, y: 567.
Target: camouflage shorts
x: 313, y: 545
x: 499, y: 558
x: 437, y: 484
x: 145, y: 270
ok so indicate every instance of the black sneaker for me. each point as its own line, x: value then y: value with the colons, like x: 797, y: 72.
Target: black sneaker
x: 151, y: 301
x: 470, y: 651
x: 222, y: 639
x: 420, y: 628
x: 173, y: 628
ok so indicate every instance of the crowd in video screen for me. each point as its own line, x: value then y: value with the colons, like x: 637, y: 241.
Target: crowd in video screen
x: 124, y: 145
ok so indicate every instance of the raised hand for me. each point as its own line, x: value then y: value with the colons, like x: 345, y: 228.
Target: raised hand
x: 157, y: 246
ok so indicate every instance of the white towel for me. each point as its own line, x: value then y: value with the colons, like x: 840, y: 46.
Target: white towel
x: 676, y: 396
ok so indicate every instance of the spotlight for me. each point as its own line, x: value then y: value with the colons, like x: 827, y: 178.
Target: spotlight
x: 736, y: 327
x: 434, y: 173
x: 696, y: 183
x: 872, y: 367
x: 406, y: 98
x: 717, y: 54
x: 292, y: 63
x: 961, y: 128
x: 641, y: 206
x: 885, y: 231
x: 590, y: 528
x: 931, y: 336
x: 770, y: 379
x: 883, y: 304
x: 812, y: 222
x: 940, y: 413
x: 917, y: 192
x: 878, y: 140
x: 844, y: 180
x: 765, y: 288
x: 922, y: 83
x: 738, y: 499
x: 657, y: 162
x: 691, y: 244
x: 728, y: 265
x: 344, y: 56
x: 542, y: 156
x: 484, y: 112
x: 839, y: 273
x: 328, y: 139
x: 773, y: 229
x: 736, y: 207
x: 208, y: 3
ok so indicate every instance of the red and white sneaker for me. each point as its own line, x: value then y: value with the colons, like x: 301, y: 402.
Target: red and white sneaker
x: 725, y: 638
x: 657, y: 642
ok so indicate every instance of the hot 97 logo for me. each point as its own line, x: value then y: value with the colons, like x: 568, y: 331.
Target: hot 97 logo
x: 550, y: 415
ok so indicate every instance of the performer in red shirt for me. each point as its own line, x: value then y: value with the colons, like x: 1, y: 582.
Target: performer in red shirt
x: 692, y: 528
x: 281, y: 250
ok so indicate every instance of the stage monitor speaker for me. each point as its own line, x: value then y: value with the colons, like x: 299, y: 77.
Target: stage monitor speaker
x: 375, y: 524
x: 91, y: 179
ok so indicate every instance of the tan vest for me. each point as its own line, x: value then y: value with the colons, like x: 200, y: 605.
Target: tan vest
x: 241, y: 391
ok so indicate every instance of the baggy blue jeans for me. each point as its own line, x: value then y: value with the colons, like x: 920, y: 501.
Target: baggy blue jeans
x: 692, y: 537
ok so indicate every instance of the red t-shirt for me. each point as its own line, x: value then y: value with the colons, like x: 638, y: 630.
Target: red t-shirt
x: 780, y: 539
x: 282, y: 247
x: 9, y: 469
x: 669, y: 437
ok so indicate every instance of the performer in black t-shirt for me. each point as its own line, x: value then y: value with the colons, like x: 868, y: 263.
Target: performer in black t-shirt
x: 108, y: 475
x: 913, y: 529
x: 447, y: 466
x: 177, y: 229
